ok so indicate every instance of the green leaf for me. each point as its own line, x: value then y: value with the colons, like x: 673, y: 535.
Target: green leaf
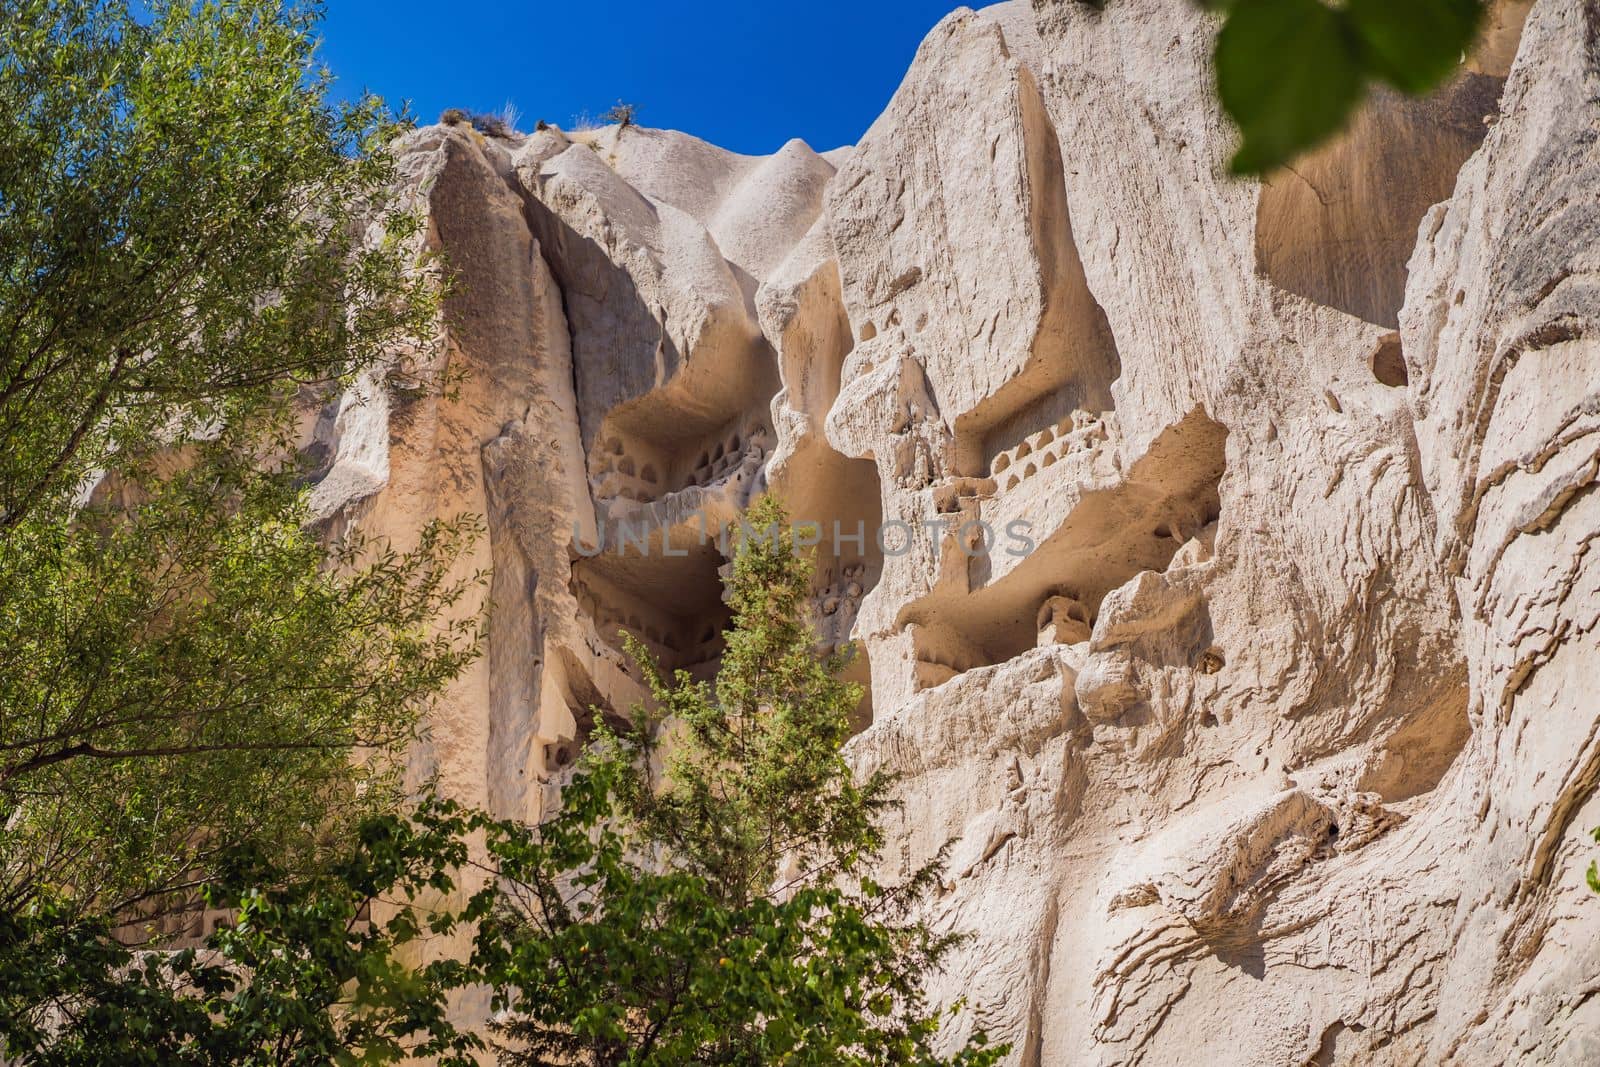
x: 1414, y: 44
x: 1289, y: 74
x: 1593, y: 876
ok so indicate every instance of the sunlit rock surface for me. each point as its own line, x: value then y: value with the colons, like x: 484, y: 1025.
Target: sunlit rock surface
x: 1235, y: 614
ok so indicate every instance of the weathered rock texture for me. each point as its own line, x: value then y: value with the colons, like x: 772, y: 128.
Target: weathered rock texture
x: 1279, y: 745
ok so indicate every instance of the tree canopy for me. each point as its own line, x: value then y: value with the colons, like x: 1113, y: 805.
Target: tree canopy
x: 194, y: 247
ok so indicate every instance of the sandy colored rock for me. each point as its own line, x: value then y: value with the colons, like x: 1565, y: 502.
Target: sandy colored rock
x: 1235, y: 613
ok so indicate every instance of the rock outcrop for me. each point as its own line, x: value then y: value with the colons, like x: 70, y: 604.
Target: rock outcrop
x: 1218, y: 552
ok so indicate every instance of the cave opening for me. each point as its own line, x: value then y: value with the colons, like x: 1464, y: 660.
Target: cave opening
x: 1170, y: 497
x: 672, y: 604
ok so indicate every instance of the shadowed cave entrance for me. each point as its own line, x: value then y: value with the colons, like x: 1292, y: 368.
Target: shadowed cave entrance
x: 671, y: 603
x: 628, y: 465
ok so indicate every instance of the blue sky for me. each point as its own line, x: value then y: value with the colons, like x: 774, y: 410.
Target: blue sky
x: 745, y: 75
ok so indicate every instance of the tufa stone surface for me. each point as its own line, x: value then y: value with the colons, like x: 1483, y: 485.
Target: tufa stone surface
x: 1278, y: 744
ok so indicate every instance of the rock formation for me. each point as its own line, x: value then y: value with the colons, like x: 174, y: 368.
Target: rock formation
x: 1234, y: 611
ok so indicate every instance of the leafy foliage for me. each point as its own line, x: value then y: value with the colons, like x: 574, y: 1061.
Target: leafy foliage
x: 191, y: 669
x: 723, y: 913
x: 183, y: 216
x: 192, y: 251
x: 197, y: 694
x: 301, y: 977
x: 1291, y: 72
x: 190, y: 247
x: 1592, y: 875
x: 754, y: 774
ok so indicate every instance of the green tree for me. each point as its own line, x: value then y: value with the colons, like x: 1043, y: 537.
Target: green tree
x: 723, y: 912
x: 183, y: 221
x: 193, y: 253
x: 195, y: 671
x: 304, y: 974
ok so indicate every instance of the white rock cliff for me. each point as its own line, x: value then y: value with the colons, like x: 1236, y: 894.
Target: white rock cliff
x: 1280, y: 745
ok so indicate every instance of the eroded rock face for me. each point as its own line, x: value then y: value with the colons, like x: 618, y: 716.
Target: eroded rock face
x: 1234, y: 612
